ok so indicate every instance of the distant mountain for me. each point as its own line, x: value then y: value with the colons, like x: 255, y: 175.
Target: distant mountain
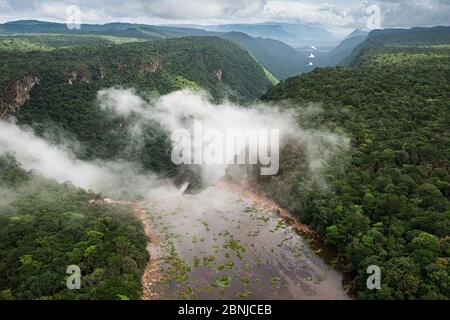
x: 254, y: 30
x: 296, y: 35
x: 306, y: 32
x: 331, y: 58
x: 344, y: 49
x: 280, y: 59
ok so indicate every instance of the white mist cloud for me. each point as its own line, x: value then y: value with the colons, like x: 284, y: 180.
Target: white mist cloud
x: 313, y: 13
x: 37, y: 154
x: 179, y: 109
x: 173, y: 111
x: 59, y: 163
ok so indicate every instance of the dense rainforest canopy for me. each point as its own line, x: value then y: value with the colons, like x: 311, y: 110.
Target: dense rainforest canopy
x: 390, y: 206
x: 46, y: 227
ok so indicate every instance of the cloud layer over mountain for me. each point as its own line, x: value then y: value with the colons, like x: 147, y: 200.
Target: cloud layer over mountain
x: 331, y: 14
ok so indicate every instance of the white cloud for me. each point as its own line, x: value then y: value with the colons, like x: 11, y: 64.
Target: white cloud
x: 205, y: 9
x: 173, y: 110
x: 330, y: 13
x: 150, y: 11
x: 323, y: 14
x: 118, y: 178
x: 59, y: 163
x: 403, y: 13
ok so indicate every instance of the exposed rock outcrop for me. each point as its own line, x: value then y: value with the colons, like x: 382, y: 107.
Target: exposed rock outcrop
x: 102, y: 73
x: 75, y: 76
x: 121, y: 67
x: 218, y: 74
x: 151, y: 68
x: 16, y: 94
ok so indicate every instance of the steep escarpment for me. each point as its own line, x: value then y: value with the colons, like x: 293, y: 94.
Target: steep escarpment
x: 16, y: 94
x: 45, y: 227
x: 69, y: 80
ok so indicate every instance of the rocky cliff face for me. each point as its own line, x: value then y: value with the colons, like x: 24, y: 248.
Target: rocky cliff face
x: 16, y: 94
x: 75, y: 76
x: 218, y: 74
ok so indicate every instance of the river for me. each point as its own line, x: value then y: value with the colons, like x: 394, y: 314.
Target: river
x: 221, y: 244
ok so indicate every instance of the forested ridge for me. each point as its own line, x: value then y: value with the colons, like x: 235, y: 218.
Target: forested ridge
x: 390, y: 205
x: 154, y: 66
x: 45, y: 227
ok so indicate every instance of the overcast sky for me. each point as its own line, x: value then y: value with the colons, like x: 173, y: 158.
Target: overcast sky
x: 331, y: 14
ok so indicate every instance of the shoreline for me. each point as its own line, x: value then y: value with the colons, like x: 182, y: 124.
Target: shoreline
x: 151, y: 276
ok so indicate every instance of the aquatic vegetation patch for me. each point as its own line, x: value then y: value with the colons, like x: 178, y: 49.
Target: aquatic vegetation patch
x: 236, y: 246
x: 244, y: 294
x: 275, y: 281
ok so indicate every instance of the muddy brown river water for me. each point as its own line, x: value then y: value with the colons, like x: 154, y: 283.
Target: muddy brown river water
x: 220, y: 245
